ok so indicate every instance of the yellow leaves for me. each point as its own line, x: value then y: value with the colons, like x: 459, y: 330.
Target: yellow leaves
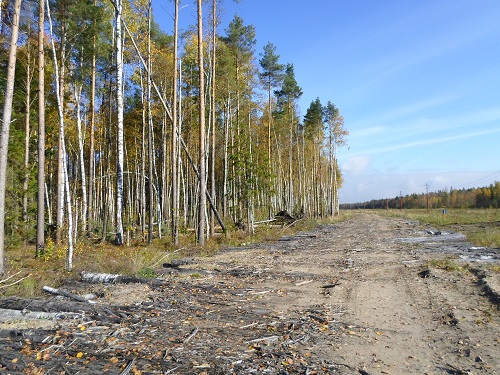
x: 79, y: 355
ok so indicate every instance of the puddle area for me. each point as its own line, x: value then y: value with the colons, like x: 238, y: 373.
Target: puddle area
x: 452, y: 243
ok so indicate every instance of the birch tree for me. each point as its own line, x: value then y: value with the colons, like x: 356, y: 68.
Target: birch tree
x: 64, y: 166
x: 201, y: 176
x: 6, y: 120
x: 40, y: 228
x: 337, y: 137
x: 120, y: 131
x: 174, y: 144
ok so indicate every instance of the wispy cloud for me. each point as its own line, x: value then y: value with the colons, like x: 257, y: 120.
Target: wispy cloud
x: 356, y: 164
x: 428, y: 141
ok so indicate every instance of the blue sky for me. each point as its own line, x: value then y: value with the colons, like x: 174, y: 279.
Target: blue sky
x: 418, y: 83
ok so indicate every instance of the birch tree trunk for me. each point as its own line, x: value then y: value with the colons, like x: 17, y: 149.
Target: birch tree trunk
x: 91, y: 185
x: 120, y: 135
x: 78, y: 91
x: 202, y: 182
x: 6, y: 119
x: 40, y: 227
x: 150, y: 134
x: 64, y: 166
x: 29, y: 78
x: 60, y: 97
x: 212, y: 114
x: 175, y: 153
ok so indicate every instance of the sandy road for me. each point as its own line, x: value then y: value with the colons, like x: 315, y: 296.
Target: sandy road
x: 386, y: 318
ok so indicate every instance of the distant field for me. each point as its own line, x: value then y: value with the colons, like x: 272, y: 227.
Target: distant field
x: 481, y: 226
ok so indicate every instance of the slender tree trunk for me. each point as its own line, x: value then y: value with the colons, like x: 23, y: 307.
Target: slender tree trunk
x: 174, y: 151
x: 40, y: 228
x: 212, y: 113
x: 64, y: 166
x: 29, y: 78
x: 6, y: 119
x: 69, y: 261
x: 91, y: 185
x: 202, y: 182
x: 142, y: 191
x: 226, y: 169
x: 120, y: 135
x: 335, y: 182
x: 150, y: 134
x: 60, y: 156
x: 78, y: 91
x: 291, y: 202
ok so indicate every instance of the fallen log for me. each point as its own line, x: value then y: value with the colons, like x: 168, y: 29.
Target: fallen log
x: 46, y: 305
x: 106, y: 278
x: 61, y: 292
x: 9, y: 315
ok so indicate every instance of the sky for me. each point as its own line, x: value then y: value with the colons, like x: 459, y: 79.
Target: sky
x: 417, y: 81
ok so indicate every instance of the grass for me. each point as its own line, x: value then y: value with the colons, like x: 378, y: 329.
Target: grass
x: 480, y: 226
x: 138, y: 259
x: 449, y: 264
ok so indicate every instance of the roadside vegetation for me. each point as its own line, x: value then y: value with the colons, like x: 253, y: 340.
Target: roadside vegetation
x: 139, y: 259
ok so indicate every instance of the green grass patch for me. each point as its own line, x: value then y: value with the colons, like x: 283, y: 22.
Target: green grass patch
x: 480, y: 226
x: 449, y: 264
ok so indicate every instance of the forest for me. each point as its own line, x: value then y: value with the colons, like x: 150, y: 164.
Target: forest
x: 115, y: 131
x: 482, y: 197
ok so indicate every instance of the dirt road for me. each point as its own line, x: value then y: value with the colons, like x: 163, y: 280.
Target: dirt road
x: 356, y: 297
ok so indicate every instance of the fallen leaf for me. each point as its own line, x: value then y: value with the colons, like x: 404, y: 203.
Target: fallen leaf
x: 79, y: 355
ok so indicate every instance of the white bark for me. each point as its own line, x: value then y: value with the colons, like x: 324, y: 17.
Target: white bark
x: 40, y: 231
x: 175, y: 147
x: 120, y: 135
x: 78, y: 91
x: 6, y: 119
x: 64, y: 166
x: 202, y: 183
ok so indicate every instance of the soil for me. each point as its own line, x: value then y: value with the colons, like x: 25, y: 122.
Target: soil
x: 363, y: 296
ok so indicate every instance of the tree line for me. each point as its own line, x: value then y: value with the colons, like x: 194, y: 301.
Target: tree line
x: 481, y: 197
x: 114, y: 130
